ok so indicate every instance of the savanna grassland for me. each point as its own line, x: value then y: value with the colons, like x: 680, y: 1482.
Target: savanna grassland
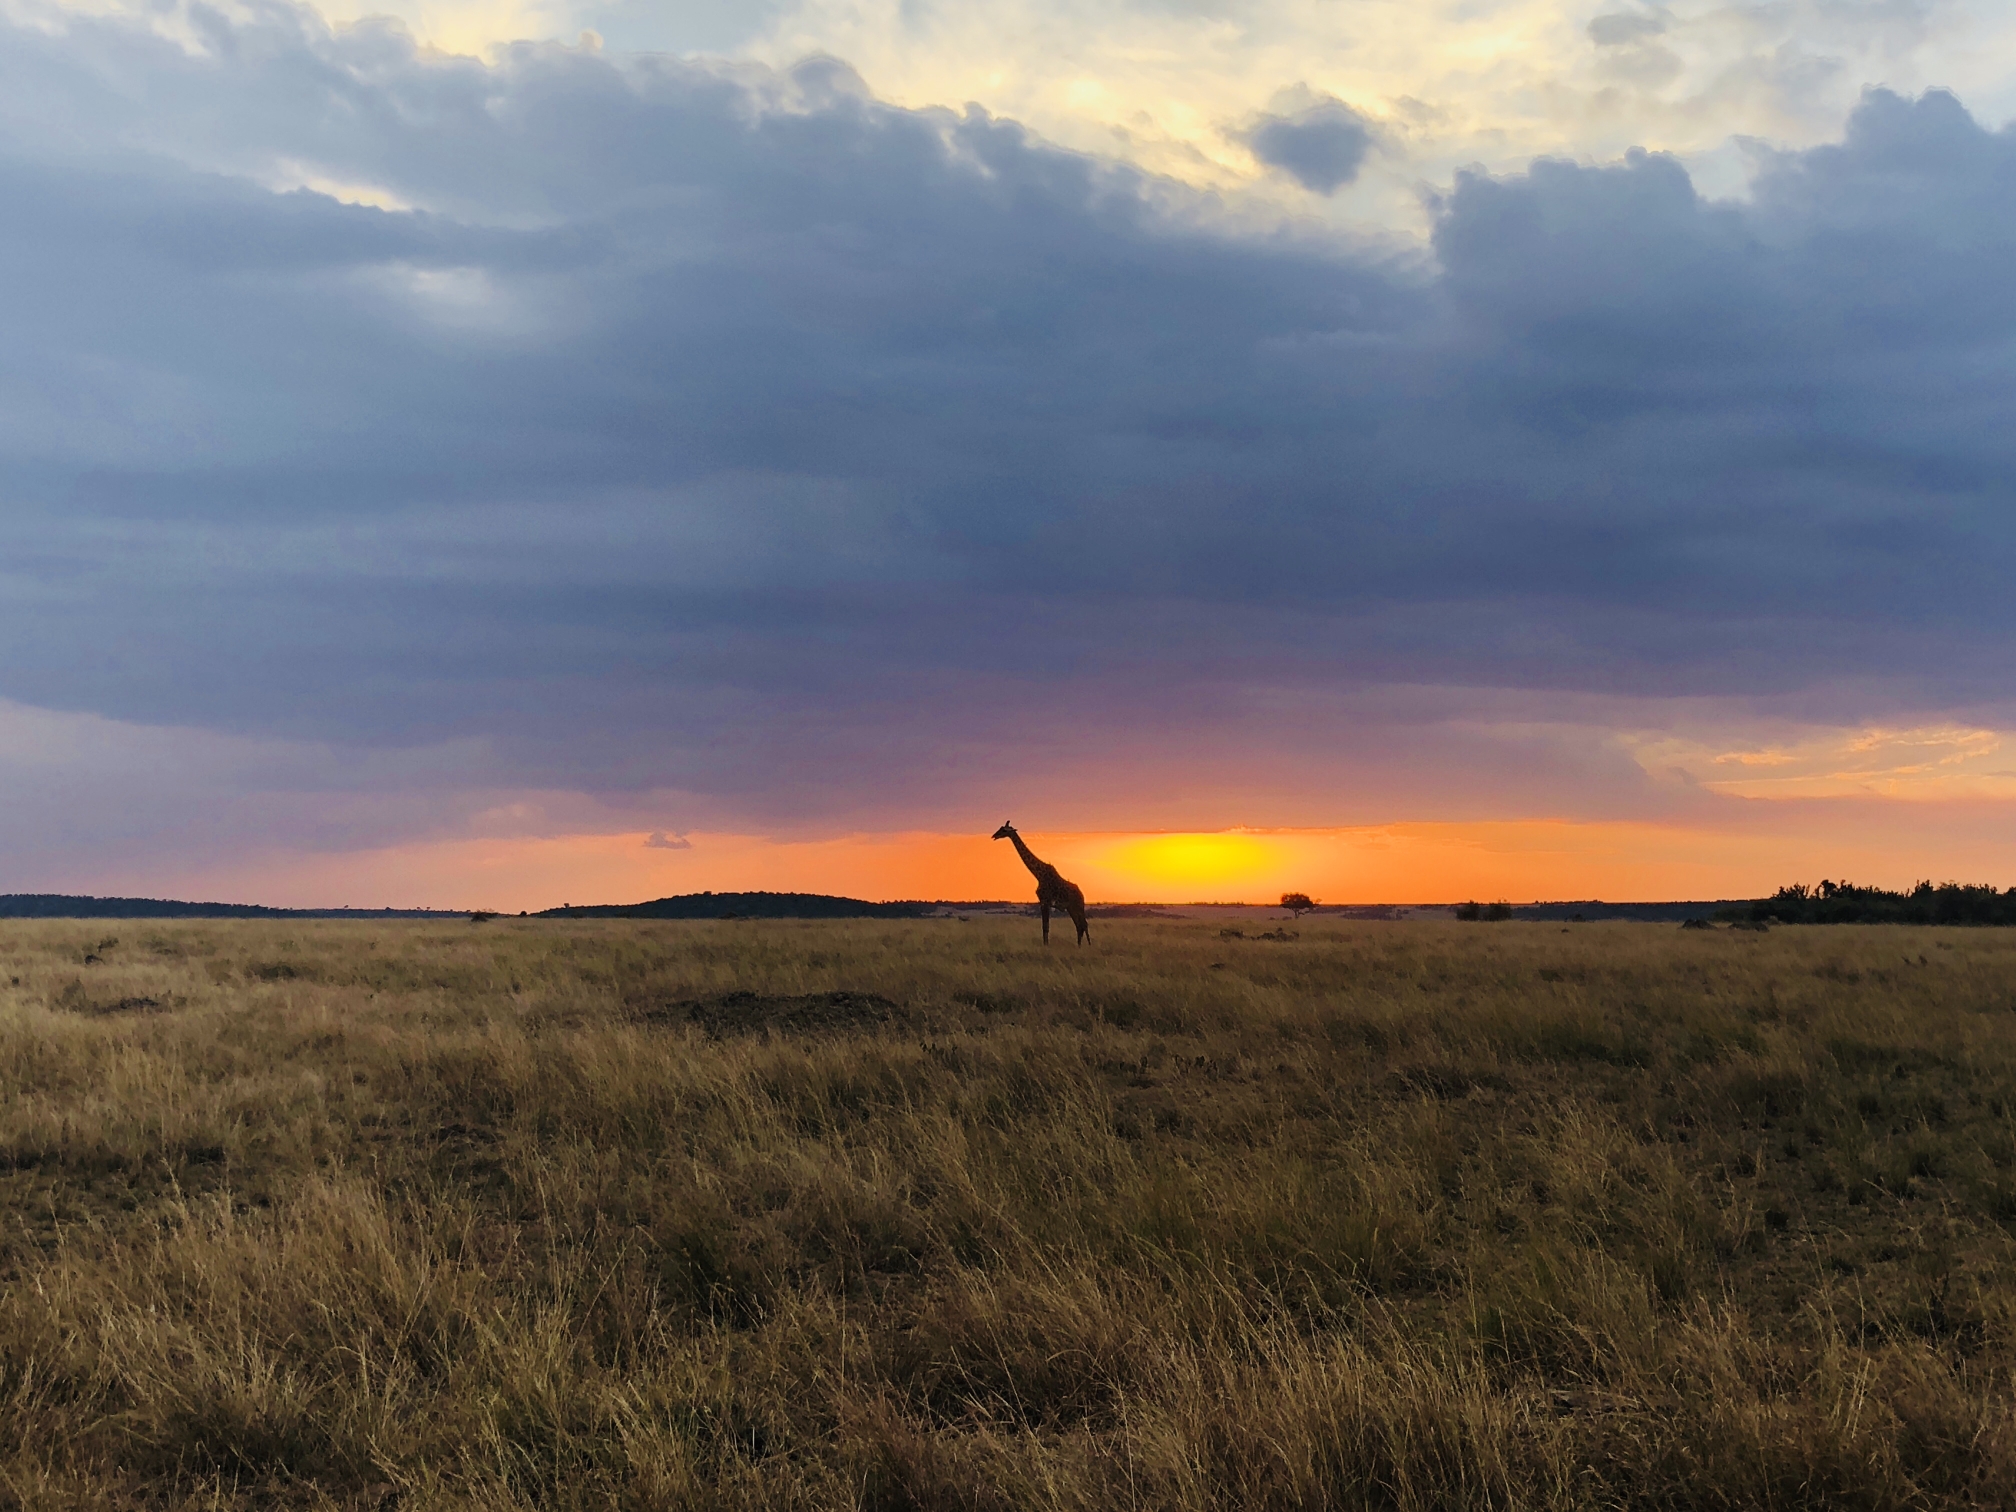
x: 540, y: 1214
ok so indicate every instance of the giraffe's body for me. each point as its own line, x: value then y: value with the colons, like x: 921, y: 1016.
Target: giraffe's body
x: 1052, y: 891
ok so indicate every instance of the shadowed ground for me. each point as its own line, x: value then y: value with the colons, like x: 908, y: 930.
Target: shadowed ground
x: 916, y: 1214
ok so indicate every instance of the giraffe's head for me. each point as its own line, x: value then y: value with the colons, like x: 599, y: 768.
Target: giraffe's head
x: 1006, y: 832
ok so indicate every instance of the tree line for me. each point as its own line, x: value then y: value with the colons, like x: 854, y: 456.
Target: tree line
x: 1846, y: 903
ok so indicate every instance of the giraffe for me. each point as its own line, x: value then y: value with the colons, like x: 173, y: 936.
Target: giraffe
x: 1052, y: 891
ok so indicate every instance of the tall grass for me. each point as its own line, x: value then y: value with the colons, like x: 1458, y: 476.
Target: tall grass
x: 1386, y: 1215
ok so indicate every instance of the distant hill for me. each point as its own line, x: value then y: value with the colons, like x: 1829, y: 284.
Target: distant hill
x: 1644, y: 913
x: 70, y: 906
x: 746, y: 905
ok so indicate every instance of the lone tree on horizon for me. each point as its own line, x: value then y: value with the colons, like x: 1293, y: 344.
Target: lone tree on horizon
x: 1297, y: 903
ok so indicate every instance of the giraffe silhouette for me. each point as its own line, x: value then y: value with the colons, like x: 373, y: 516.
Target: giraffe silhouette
x: 1052, y: 891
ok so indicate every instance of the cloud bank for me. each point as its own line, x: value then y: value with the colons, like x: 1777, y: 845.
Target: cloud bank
x: 721, y: 438
x: 1451, y: 82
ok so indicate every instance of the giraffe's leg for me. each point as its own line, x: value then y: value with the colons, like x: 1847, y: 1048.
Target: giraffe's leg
x: 1084, y: 929
x: 1045, y: 902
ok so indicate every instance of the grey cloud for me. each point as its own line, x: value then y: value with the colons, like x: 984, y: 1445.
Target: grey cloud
x: 1627, y: 47
x: 659, y: 840
x: 730, y: 433
x: 1316, y: 139
x: 1621, y: 28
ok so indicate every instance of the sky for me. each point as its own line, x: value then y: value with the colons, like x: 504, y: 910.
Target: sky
x: 504, y: 455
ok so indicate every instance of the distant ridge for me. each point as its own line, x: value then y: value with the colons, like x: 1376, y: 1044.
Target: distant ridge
x: 71, y: 906
x: 746, y: 905
x: 1643, y: 913
x: 1830, y: 903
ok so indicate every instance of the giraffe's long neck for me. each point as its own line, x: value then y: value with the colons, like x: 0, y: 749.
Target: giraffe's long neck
x: 1037, y: 868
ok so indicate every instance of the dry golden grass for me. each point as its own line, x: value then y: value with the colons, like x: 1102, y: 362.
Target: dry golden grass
x: 1409, y: 1216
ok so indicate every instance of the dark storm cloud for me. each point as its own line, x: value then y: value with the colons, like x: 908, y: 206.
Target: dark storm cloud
x: 730, y: 431
x: 1316, y: 139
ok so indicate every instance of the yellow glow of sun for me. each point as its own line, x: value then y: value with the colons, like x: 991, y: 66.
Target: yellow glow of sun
x: 1202, y: 861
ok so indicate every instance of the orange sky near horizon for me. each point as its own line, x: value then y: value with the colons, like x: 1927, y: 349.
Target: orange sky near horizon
x: 1521, y: 860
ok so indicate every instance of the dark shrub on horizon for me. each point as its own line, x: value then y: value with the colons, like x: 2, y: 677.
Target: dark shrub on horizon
x: 1491, y: 913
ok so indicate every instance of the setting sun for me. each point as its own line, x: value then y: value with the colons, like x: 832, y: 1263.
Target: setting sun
x: 1229, y: 863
